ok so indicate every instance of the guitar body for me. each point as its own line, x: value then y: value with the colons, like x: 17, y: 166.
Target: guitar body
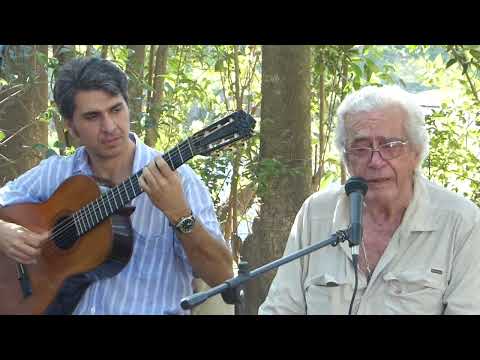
x: 61, y: 275
x: 91, y: 235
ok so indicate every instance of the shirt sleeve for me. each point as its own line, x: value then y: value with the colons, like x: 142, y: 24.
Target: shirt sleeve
x: 286, y: 295
x: 200, y: 201
x: 35, y: 185
x: 463, y: 292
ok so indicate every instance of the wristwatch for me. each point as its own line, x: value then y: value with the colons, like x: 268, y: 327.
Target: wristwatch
x: 185, y: 224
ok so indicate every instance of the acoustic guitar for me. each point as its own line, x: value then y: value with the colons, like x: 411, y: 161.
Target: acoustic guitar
x: 85, y: 245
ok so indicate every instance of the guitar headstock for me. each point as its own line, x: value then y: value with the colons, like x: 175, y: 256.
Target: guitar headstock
x: 236, y: 126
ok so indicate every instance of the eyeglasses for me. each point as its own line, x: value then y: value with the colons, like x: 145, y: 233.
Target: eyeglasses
x: 388, y: 151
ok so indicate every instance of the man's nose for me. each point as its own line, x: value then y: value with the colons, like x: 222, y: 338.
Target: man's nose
x: 376, y: 160
x: 108, y: 123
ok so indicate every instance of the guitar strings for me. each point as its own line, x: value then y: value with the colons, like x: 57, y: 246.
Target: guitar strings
x: 83, y: 209
x: 69, y: 222
x: 88, y: 209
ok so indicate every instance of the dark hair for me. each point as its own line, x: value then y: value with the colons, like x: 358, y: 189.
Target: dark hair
x: 87, y: 73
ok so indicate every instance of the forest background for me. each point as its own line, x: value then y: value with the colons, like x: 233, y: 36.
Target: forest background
x: 292, y: 91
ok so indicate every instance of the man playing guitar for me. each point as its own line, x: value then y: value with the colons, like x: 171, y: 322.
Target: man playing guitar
x: 175, y: 229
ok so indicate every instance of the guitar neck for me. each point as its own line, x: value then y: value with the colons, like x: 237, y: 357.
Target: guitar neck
x: 215, y: 136
x: 116, y: 198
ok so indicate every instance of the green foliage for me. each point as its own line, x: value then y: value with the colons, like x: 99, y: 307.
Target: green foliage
x: 453, y: 159
x: 453, y: 128
x: 343, y: 68
x: 198, y: 91
x: 199, y: 88
x: 268, y: 169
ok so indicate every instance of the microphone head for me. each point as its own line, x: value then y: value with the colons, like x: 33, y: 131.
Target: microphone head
x: 356, y: 183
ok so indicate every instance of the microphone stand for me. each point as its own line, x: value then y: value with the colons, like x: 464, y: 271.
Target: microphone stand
x: 232, y: 289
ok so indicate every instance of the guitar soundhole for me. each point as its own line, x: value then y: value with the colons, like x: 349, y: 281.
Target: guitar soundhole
x: 65, y: 233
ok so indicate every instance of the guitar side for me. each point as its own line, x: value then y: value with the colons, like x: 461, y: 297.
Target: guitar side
x: 55, y: 264
x: 87, y: 241
x: 75, y: 286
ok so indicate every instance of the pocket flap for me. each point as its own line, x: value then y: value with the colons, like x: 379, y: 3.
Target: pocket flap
x: 420, y: 277
x: 325, y: 279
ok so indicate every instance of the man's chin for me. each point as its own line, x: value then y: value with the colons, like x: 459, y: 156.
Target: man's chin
x: 111, y: 153
x: 380, y: 194
x: 380, y: 184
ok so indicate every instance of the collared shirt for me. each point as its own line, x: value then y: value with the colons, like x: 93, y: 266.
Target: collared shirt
x: 430, y: 266
x: 158, y: 274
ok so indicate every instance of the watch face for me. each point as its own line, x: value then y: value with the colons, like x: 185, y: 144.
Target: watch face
x: 186, y: 225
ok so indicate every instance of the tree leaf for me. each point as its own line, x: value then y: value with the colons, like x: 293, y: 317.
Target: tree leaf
x: 65, y: 50
x: 357, y: 70
x: 372, y: 66
x: 450, y: 63
x: 219, y: 65
x: 50, y: 152
x: 40, y: 147
x: 475, y: 53
x: 42, y: 58
x: 368, y: 72
x: 356, y: 83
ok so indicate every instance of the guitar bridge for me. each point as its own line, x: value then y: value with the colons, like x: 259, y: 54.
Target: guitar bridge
x: 24, y: 279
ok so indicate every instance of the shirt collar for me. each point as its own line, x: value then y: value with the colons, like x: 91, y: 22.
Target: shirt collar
x: 80, y: 162
x: 419, y: 216
x: 140, y: 150
x: 81, y: 166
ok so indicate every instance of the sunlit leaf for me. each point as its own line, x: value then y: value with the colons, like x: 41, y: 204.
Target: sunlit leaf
x: 450, y: 63
x: 40, y: 147
x: 50, y: 152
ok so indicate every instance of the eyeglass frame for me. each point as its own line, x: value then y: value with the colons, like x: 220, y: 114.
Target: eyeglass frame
x: 378, y: 149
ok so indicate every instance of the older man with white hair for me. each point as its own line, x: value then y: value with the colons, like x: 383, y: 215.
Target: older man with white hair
x: 421, y: 243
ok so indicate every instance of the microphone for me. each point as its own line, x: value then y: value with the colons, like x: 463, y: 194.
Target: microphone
x: 356, y: 187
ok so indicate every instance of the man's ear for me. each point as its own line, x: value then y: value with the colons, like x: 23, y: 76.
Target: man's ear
x: 71, y: 128
x: 417, y: 158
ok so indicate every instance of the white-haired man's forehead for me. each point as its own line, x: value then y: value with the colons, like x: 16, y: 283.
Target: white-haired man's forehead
x: 368, y: 102
x: 376, y: 109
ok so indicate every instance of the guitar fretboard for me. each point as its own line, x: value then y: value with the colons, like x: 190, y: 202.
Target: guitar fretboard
x: 119, y: 196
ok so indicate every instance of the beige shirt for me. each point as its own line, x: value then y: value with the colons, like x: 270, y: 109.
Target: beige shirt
x: 430, y: 266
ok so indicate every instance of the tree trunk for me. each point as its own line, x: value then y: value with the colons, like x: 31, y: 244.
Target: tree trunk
x: 285, y: 137
x: 317, y: 177
x: 89, y: 50
x: 232, y: 219
x: 63, y: 53
x: 40, y: 100
x: 134, y: 71
x: 343, y: 170
x: 19, y: 114
x: 104, y: 52
x: 151, y: 59
x: 161, y: 58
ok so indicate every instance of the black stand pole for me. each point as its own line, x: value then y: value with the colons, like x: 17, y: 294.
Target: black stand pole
x: 231, y: 290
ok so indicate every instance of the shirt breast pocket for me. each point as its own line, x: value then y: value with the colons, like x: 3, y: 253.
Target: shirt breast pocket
x: 414, y: 292
x: 325, y: 294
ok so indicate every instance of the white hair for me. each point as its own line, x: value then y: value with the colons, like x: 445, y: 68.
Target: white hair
x: 372, y: 98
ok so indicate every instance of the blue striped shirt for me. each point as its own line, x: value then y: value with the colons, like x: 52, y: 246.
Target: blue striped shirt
x: 158, y: 274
